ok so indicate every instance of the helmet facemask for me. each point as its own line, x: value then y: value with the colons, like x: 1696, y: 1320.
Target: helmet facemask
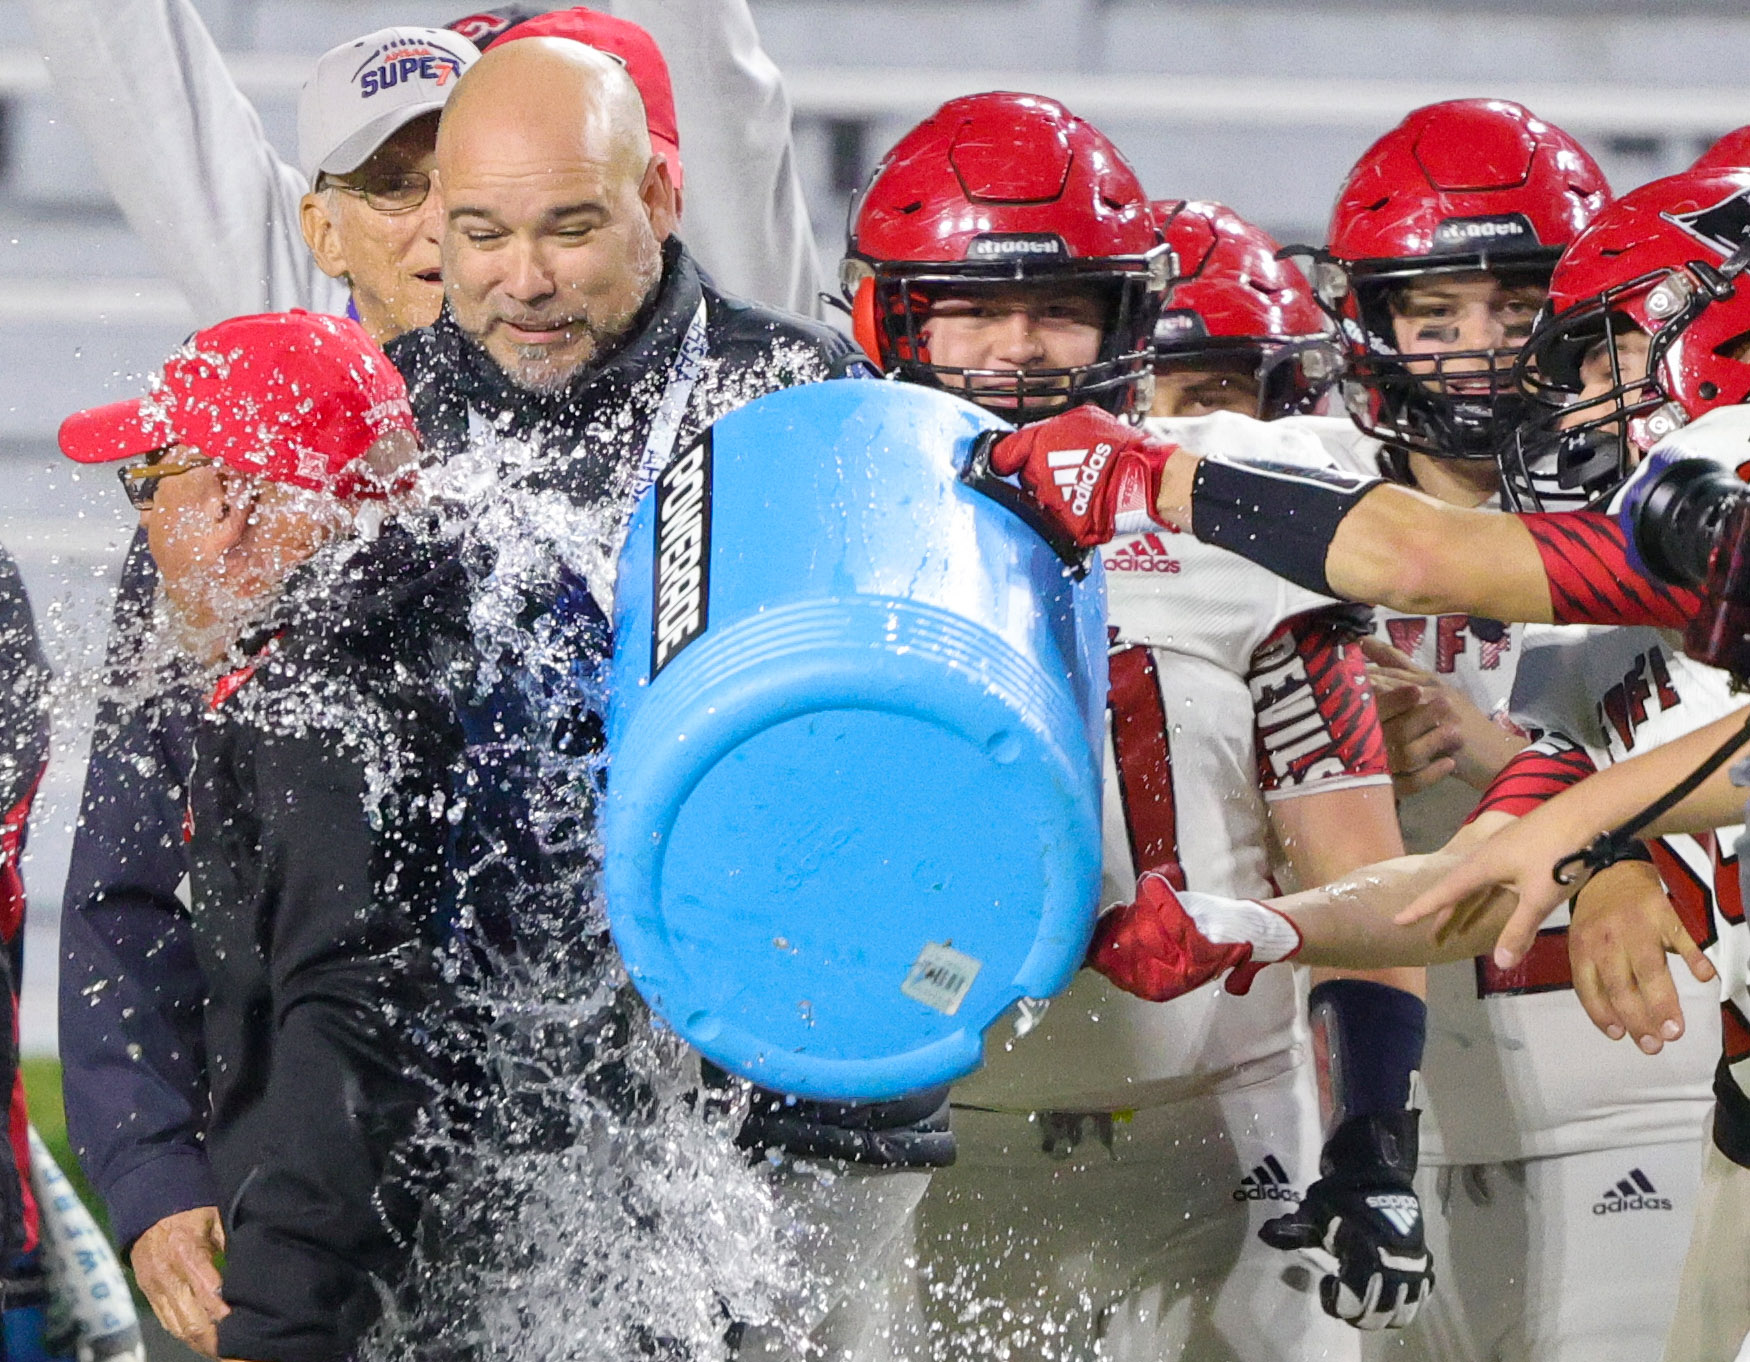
x: 1448, y: 403
x: 1575, y: 449
x: 1116, y: 379
x: 1580, y: 448
x: 1284, y: 376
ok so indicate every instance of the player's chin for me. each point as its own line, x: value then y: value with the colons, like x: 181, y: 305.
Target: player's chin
x: 1034, y: 402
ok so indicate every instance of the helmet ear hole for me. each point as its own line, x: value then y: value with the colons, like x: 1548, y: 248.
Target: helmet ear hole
x: 1737, y: 348
x: 864, y: 329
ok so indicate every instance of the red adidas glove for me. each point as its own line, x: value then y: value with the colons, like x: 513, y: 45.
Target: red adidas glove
x: 1167, y: 942
x: 1091, y: 473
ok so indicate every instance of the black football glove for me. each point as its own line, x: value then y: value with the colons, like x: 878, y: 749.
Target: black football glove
x: 1361, y: 1224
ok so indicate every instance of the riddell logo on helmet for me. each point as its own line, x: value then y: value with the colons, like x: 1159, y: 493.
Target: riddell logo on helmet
x: 1179, y: 324
x: 1497, y: 229
x: 1014, y: 245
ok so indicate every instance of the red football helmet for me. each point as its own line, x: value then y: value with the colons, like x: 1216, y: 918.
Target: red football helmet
x: 1731, y: 152
x: 1667, y: 260
x: 989, y: 190
x: 1234, y: 305
x: 1457, y: 187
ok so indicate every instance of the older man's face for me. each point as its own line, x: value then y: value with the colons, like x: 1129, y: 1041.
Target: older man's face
x: 386, y: 226
x: 182, y: 490
x: 547, y: 260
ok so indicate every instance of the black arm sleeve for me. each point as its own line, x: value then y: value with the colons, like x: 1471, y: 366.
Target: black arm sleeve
x: 1279, y: 516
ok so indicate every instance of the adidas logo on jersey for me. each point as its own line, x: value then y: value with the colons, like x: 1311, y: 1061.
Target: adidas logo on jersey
x: 1398, y: 1209
x: 1145, y: 554
x: 1269, y: 1181
x: 1634, y: 1193
x: 1076, y: 471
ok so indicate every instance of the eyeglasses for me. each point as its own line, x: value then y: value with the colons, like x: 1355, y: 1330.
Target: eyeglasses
x: 401, y: 192
x: 140, y: 481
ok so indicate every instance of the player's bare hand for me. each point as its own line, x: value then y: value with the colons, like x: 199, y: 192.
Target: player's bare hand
x: 1419, y: 741
x: 1432, y: 730
x: 1623, y: 926
x: 1519, y: 859
x: 173, y: 1262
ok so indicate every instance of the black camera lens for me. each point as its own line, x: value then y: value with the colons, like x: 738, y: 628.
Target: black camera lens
x: 1679, y: 518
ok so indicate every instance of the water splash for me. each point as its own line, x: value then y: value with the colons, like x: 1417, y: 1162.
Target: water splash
x: 591, y: 1203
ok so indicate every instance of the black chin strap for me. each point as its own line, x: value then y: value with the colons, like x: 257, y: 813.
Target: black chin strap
x: 1609, y: 847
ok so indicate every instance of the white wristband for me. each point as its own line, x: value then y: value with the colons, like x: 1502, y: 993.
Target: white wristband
x: 1132, y: 512
x: 1233, y: 922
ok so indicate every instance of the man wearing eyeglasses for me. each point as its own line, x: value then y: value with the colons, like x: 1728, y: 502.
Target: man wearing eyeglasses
x: 183, y: 153
x: 131, y: 1046
x: 367, y: 132
x: 267, y: 465
x: 132, y: 1052
x: 130, y: 990
x: 367, y: 136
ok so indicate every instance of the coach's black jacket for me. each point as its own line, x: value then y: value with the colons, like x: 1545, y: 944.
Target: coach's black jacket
x: 317, y: 854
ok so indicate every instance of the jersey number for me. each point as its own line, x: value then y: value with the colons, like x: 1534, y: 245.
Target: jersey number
x: 1144, y: 753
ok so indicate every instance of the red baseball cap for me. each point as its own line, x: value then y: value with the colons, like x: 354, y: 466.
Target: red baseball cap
x: 635, y: 49
x: 291, y: 397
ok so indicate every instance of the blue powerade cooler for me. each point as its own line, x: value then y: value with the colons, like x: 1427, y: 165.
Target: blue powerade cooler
x: 853, y: 807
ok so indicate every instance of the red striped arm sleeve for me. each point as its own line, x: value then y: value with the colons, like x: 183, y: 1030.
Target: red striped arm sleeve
x: 1536, y: 774
x: 1591, y: 580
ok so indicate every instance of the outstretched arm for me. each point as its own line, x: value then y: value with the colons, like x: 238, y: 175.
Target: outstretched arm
x: 1363, y: 540
x: 1377, y: 542
x: 1522, y: 859
x: 1351, y: 922
x: 183, y: 154
x: 1338, y: 535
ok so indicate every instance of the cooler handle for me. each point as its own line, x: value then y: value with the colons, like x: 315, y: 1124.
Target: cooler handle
x: 981, y: 477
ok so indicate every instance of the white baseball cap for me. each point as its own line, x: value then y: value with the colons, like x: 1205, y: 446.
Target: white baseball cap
x: 365, y: 91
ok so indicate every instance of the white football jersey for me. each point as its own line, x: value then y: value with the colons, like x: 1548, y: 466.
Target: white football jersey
x: 1476, y: 655
x: 1342, y: 442
x: 1212, y: 717
x: 1615, y: 691
x: 1513, y: 1070
x: 1723, y: 436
